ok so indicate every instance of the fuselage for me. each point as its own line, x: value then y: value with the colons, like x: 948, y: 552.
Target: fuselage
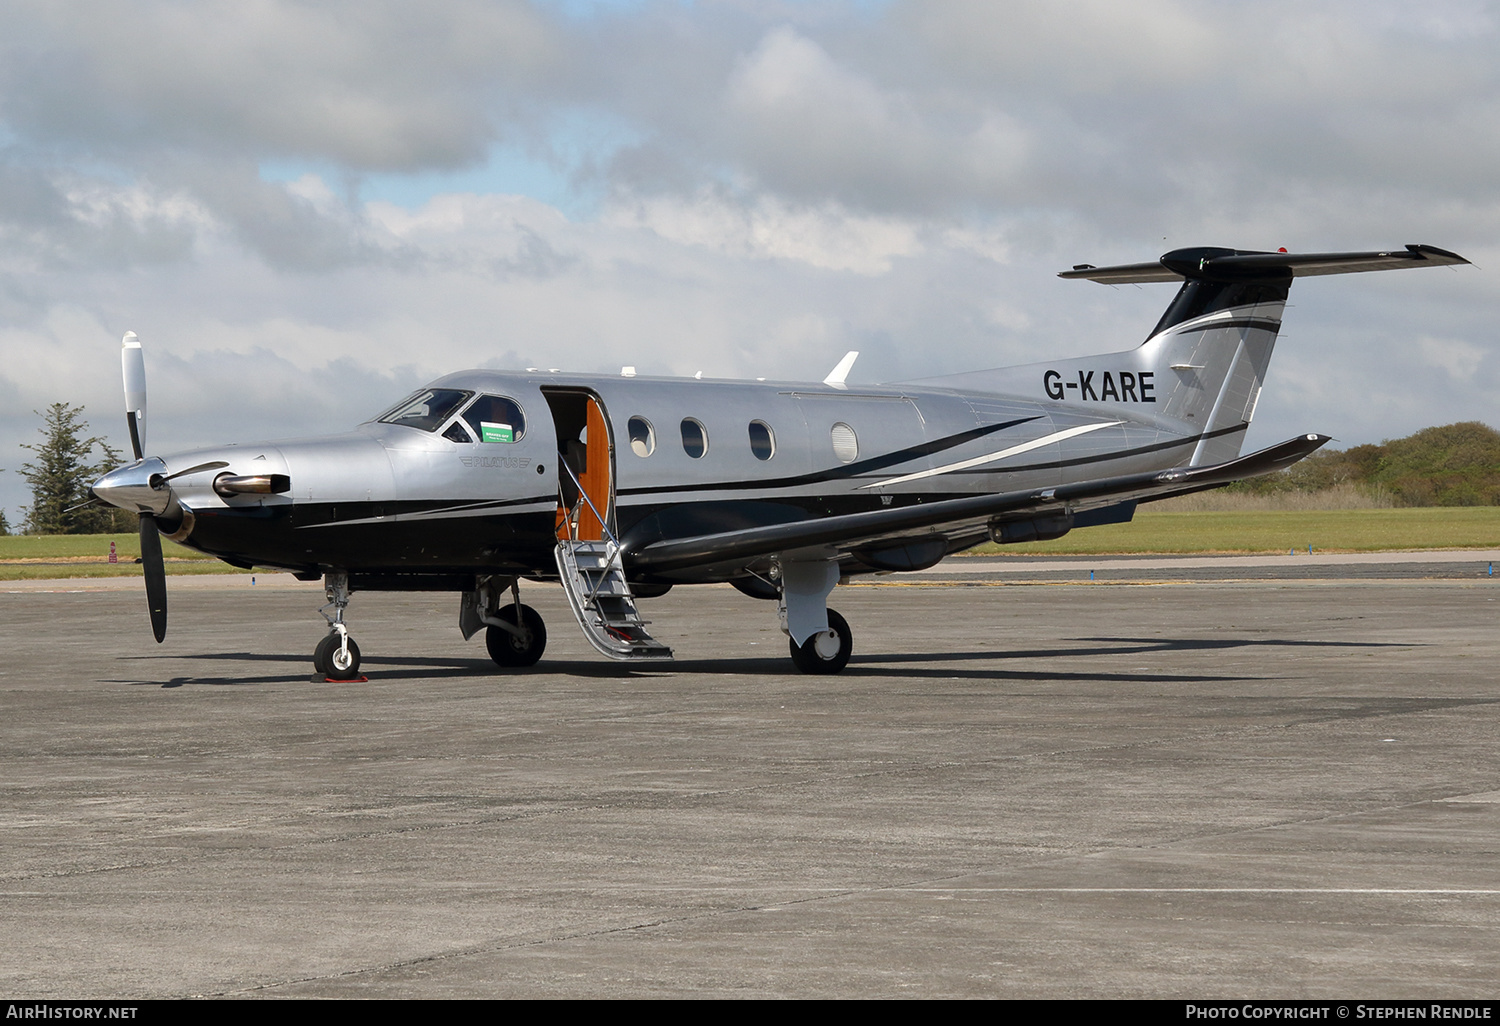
x: 687, y: 456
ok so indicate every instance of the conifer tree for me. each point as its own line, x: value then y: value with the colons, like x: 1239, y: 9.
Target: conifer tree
x: 62, y: 472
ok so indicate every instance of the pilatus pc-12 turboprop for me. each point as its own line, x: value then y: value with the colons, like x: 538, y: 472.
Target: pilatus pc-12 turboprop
x: 621, y: 487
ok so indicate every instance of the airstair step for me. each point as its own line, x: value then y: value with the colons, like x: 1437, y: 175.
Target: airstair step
x: 593, y: 577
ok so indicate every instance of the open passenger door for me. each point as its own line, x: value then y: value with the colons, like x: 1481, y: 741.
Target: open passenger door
x: 588, y: 551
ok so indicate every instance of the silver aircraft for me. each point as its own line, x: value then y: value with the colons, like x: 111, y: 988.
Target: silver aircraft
x: 621, y: 487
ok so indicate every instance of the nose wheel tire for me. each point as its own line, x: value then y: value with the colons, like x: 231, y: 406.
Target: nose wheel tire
x: 827, y: 652
x: 331, y: 661
x: 509, y: 650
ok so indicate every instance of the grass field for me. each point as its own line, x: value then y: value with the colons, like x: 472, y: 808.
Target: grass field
x: 33, y: 557
x: 84, y: 546
x: 25, y: 557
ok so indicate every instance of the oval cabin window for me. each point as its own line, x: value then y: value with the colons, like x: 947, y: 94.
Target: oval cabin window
x: 642, y: 436
x: 694, y: 438
x: 762, y: 441
x: 845, y: 442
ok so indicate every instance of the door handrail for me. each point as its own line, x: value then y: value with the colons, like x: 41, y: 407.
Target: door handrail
x: 603, y: 523
x: 604, y: 526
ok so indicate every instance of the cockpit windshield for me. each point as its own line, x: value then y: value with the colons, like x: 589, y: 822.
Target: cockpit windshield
x: 427, y: 410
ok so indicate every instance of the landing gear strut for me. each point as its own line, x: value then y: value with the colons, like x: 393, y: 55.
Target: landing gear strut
x: 337, y: 656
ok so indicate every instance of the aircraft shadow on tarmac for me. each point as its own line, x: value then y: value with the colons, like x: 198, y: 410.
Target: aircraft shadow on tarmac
x: 875, y: 665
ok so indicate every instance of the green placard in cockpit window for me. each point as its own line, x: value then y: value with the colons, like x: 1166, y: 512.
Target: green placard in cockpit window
x: 489, y: 432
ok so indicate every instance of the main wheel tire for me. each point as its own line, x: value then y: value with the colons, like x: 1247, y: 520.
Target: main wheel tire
x: 329, y: 658
x: 511, y: 651
x: 812, y: 657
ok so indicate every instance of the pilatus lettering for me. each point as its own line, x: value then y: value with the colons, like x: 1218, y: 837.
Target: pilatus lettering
x: 503, y: 462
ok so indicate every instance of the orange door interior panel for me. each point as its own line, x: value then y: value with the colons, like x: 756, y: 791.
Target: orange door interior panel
x: 595, y: 476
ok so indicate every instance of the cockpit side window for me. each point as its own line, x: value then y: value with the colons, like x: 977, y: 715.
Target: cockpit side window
x: 426, y: 410
x: 495, y: 418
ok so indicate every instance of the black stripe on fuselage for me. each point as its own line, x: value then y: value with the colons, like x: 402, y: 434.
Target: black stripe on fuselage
x: 412, y: 509
x: 870, y: 465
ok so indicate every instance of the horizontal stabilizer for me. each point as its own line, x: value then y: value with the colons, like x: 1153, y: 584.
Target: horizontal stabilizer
x: 852, y: 529
x: 1211, y: 264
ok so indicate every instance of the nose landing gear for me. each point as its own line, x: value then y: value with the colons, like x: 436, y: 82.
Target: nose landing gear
x: 337, y: 656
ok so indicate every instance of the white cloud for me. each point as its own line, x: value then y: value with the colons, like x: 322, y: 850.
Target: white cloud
x: 375, y: 83
x: 1459, y: 358
x: 779, y: 183
x: 824, y: 236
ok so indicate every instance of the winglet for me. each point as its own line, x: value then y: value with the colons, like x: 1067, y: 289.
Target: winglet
x: 838, y: 374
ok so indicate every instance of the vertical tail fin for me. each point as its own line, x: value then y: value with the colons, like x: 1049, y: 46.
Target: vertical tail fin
x: 1201, y: 369
x: 1207, y: 357
x: 1209, y: 353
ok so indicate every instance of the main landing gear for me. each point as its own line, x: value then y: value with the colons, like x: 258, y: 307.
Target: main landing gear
x: 514, y: 633
x: 337, y: 656
x: 819, y: 638
x: 827, y: 651
x: 520, y: 640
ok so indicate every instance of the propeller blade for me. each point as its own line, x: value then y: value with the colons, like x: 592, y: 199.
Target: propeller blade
x: 215, y: 465
x: 133, y: 367
x: 156, y: 576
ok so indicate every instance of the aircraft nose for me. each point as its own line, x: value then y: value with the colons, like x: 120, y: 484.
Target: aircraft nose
x: 140, y: 487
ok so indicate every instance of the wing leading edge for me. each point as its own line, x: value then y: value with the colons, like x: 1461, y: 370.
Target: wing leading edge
x: 854, y: 529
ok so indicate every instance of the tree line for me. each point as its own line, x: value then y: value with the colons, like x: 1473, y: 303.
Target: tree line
x: 1453, y: 465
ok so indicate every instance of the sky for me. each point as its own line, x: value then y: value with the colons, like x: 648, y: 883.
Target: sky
x: 307, y: 209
